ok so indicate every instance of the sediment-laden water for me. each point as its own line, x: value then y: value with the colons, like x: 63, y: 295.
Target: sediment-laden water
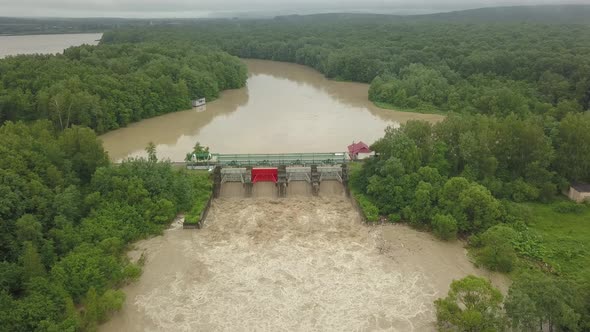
x: 284, y: 108
x: 295, y: 264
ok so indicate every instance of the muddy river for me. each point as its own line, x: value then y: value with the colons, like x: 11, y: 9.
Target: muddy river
x: 296, y: 264
x: 284, y: 108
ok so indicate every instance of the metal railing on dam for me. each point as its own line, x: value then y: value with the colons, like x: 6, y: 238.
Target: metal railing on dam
x: 278, y: 159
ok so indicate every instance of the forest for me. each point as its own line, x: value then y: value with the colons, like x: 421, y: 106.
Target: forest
x: 106, y: 87
x: 493, y: 69
x: 67, y: 217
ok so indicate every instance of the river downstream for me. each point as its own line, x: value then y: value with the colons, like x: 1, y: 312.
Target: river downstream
x: 284, y: 108
x: 296, y: 264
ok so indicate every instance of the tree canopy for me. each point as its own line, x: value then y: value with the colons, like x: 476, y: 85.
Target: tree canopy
x: 109, y: 86
x: 416, y: 63
x: 66, y: 217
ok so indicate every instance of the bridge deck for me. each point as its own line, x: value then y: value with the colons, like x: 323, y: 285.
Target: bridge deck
x: 240, y: 160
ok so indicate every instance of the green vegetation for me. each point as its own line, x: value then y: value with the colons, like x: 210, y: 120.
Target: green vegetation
x: 202, y: 184
x: 67, y: 216
x: 497, y: 250
x: 563, y: 235
x: 109, y: 86
x: 368, y: 209
x: 472, y: 304
x: 535, y: 302
x: 420, y: 63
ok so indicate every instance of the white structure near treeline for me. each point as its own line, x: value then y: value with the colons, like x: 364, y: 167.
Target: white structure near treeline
x: 199, y: 102
x: 580, y: 192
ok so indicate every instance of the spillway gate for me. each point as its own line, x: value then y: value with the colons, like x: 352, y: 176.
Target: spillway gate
x: 281, y: 169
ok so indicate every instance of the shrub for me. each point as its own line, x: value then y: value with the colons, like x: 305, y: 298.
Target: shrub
x: 472, y: 304
x: 497, y: 253
x: 394, y: 217
x: 369, y: 210
x: 568, y: 207
x: 444, y: 227
x: 522, y: 191
x: 132, y: 272
x: 202, y: 186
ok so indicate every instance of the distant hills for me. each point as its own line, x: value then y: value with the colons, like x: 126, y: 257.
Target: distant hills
x: 552, y: 14
x: 574, y: 14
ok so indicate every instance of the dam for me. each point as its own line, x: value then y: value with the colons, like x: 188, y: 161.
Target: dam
x: 284, y: 170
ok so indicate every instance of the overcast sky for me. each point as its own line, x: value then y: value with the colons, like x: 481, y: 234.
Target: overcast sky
x: 204, y: 8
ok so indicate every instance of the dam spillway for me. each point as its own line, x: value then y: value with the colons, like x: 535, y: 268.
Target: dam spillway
x: 305, y: 171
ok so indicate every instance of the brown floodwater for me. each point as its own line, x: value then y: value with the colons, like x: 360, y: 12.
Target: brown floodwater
x: 44, y: 44
x: 297, y: 264
x: 284, y: 108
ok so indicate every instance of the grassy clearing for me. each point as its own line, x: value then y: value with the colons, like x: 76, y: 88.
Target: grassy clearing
x: 565, y: 237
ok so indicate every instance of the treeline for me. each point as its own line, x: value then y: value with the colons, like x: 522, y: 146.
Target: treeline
x: 520, y: 68
x: 109, y: 86
x: 451, y: 175
x: 66, y: 218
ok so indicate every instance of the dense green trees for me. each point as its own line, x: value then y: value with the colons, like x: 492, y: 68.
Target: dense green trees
x: 66, y: 217
x: 472, y: 304
x: 460, y: 167
x: 535, y: 302
x: 106, y: 87
x: 416, y: 63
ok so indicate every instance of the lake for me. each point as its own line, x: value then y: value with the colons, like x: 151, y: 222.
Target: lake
x: 44, y: 44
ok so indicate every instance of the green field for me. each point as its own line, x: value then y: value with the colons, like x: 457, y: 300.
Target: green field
x: 565, y: 237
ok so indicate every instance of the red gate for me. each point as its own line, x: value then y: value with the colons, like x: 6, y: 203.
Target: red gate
x: 264, y: 175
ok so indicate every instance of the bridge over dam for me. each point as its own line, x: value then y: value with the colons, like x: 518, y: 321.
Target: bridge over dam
x: 276, y: 175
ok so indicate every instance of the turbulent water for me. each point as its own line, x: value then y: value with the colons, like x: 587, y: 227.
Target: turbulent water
x: 284, y: 108
x: 295, y: 264
x: 44, y: 44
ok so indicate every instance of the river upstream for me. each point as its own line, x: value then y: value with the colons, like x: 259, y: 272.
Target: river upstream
x: 284, y: 108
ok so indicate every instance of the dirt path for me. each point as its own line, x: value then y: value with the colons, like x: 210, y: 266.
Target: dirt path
x: 299, y: 264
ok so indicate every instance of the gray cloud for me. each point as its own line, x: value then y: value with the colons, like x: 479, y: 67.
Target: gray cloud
x: 201, y: 8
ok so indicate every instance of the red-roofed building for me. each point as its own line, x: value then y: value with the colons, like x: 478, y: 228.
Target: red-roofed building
x: 358, y: 150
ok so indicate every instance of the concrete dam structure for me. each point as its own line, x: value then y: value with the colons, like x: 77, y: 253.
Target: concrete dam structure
x: 282, y: 180
x: 277, y: 175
